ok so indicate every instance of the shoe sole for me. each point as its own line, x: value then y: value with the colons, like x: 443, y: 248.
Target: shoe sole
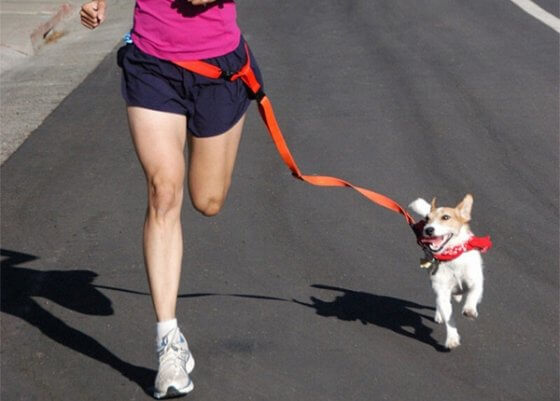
x: 173, y: 392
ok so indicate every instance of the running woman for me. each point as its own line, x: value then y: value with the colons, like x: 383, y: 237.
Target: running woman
x: 169, y: 108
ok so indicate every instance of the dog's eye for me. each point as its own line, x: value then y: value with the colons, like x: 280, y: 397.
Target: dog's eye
x: 445, y: 217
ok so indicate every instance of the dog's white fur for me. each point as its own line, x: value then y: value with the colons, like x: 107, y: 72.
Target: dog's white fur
x: 458, y: 277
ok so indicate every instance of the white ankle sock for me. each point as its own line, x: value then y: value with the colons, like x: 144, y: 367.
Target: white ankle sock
x: 162, y: 328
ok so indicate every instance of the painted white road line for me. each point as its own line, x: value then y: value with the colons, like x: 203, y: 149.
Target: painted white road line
x: 542, y: 15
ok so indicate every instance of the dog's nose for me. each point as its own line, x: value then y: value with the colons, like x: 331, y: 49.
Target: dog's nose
x: 429, y: 231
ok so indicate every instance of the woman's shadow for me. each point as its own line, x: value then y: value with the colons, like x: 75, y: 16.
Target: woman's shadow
x: 72, y: 289
x: 391, y: 313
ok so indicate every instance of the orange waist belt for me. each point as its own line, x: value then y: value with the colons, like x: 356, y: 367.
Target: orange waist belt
x: 247, y: 75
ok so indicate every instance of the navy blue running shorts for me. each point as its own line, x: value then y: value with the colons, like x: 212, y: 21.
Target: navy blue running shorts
x: 212, y: 106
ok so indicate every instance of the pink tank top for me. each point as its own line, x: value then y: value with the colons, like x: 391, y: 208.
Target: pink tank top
x: 176, y: 30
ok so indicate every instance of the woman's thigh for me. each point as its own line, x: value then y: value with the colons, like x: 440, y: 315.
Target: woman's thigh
x: 159, y: 139
x: 211, y: 163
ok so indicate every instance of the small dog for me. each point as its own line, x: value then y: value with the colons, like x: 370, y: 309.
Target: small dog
x: 453, y: 257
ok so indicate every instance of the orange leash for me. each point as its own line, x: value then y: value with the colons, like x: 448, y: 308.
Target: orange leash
x: 247, y: 75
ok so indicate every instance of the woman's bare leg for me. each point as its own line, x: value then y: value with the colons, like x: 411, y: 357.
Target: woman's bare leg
x: 211, y: 162
x: 159, y: 139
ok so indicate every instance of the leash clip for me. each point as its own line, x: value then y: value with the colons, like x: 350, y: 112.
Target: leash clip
x: 259, y: 95
x: 227, y: 75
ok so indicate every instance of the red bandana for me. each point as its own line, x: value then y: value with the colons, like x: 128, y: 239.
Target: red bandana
x: 481, y: 244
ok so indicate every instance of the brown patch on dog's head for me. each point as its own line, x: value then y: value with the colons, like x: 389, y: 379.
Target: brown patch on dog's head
x: 453, y: 217
x: 446, y: 223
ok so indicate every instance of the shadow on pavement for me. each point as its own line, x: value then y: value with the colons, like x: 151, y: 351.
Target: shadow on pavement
x: 387, y: 312
x: 72, y: 289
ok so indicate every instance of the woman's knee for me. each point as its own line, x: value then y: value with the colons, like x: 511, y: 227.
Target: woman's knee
x: 165, y: 197
x: 208, y: 204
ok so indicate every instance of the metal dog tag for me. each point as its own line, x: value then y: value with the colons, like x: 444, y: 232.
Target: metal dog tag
x: 429, y: 262
x: 426, y: 263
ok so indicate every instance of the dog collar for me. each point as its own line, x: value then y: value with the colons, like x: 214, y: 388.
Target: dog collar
x: 481, y: 244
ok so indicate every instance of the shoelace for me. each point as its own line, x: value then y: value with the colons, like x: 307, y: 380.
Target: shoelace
x: 172, y: 353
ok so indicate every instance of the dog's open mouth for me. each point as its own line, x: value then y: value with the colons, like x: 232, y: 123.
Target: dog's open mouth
x: 436, y: 244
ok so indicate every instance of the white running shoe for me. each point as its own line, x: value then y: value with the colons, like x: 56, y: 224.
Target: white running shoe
x: 175, y: 364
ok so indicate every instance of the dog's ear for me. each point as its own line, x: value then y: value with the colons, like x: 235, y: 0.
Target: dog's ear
x: 421, y: 207
x: 433, y: 204
x: 464, y: 208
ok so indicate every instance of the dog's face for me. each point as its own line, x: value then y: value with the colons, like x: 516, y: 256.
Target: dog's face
x: 444, y: 224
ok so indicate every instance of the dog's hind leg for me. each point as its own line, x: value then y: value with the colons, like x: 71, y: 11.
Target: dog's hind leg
x: 445, y: 310
x: 473, y: 299
x: 437, y: 317
x: 474, y: 296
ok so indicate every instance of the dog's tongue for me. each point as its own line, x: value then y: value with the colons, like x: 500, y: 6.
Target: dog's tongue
x: 435, y: 241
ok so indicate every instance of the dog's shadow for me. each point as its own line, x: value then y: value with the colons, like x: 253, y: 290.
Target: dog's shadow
x: 395, y: 314
x: 71, y: 289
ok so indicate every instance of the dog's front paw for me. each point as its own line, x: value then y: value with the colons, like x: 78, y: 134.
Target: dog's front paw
x: 453, y: 342
x: 470, y: 313
x: 437, y: 318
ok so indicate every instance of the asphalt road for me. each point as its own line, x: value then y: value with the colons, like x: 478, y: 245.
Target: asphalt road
x: 295, y: 292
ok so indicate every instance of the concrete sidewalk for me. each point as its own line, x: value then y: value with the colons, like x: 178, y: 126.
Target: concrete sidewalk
x: 44, y: 54
x: 26, y: 25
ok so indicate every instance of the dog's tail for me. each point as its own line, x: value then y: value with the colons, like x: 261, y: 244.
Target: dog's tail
x: 421, y: 207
